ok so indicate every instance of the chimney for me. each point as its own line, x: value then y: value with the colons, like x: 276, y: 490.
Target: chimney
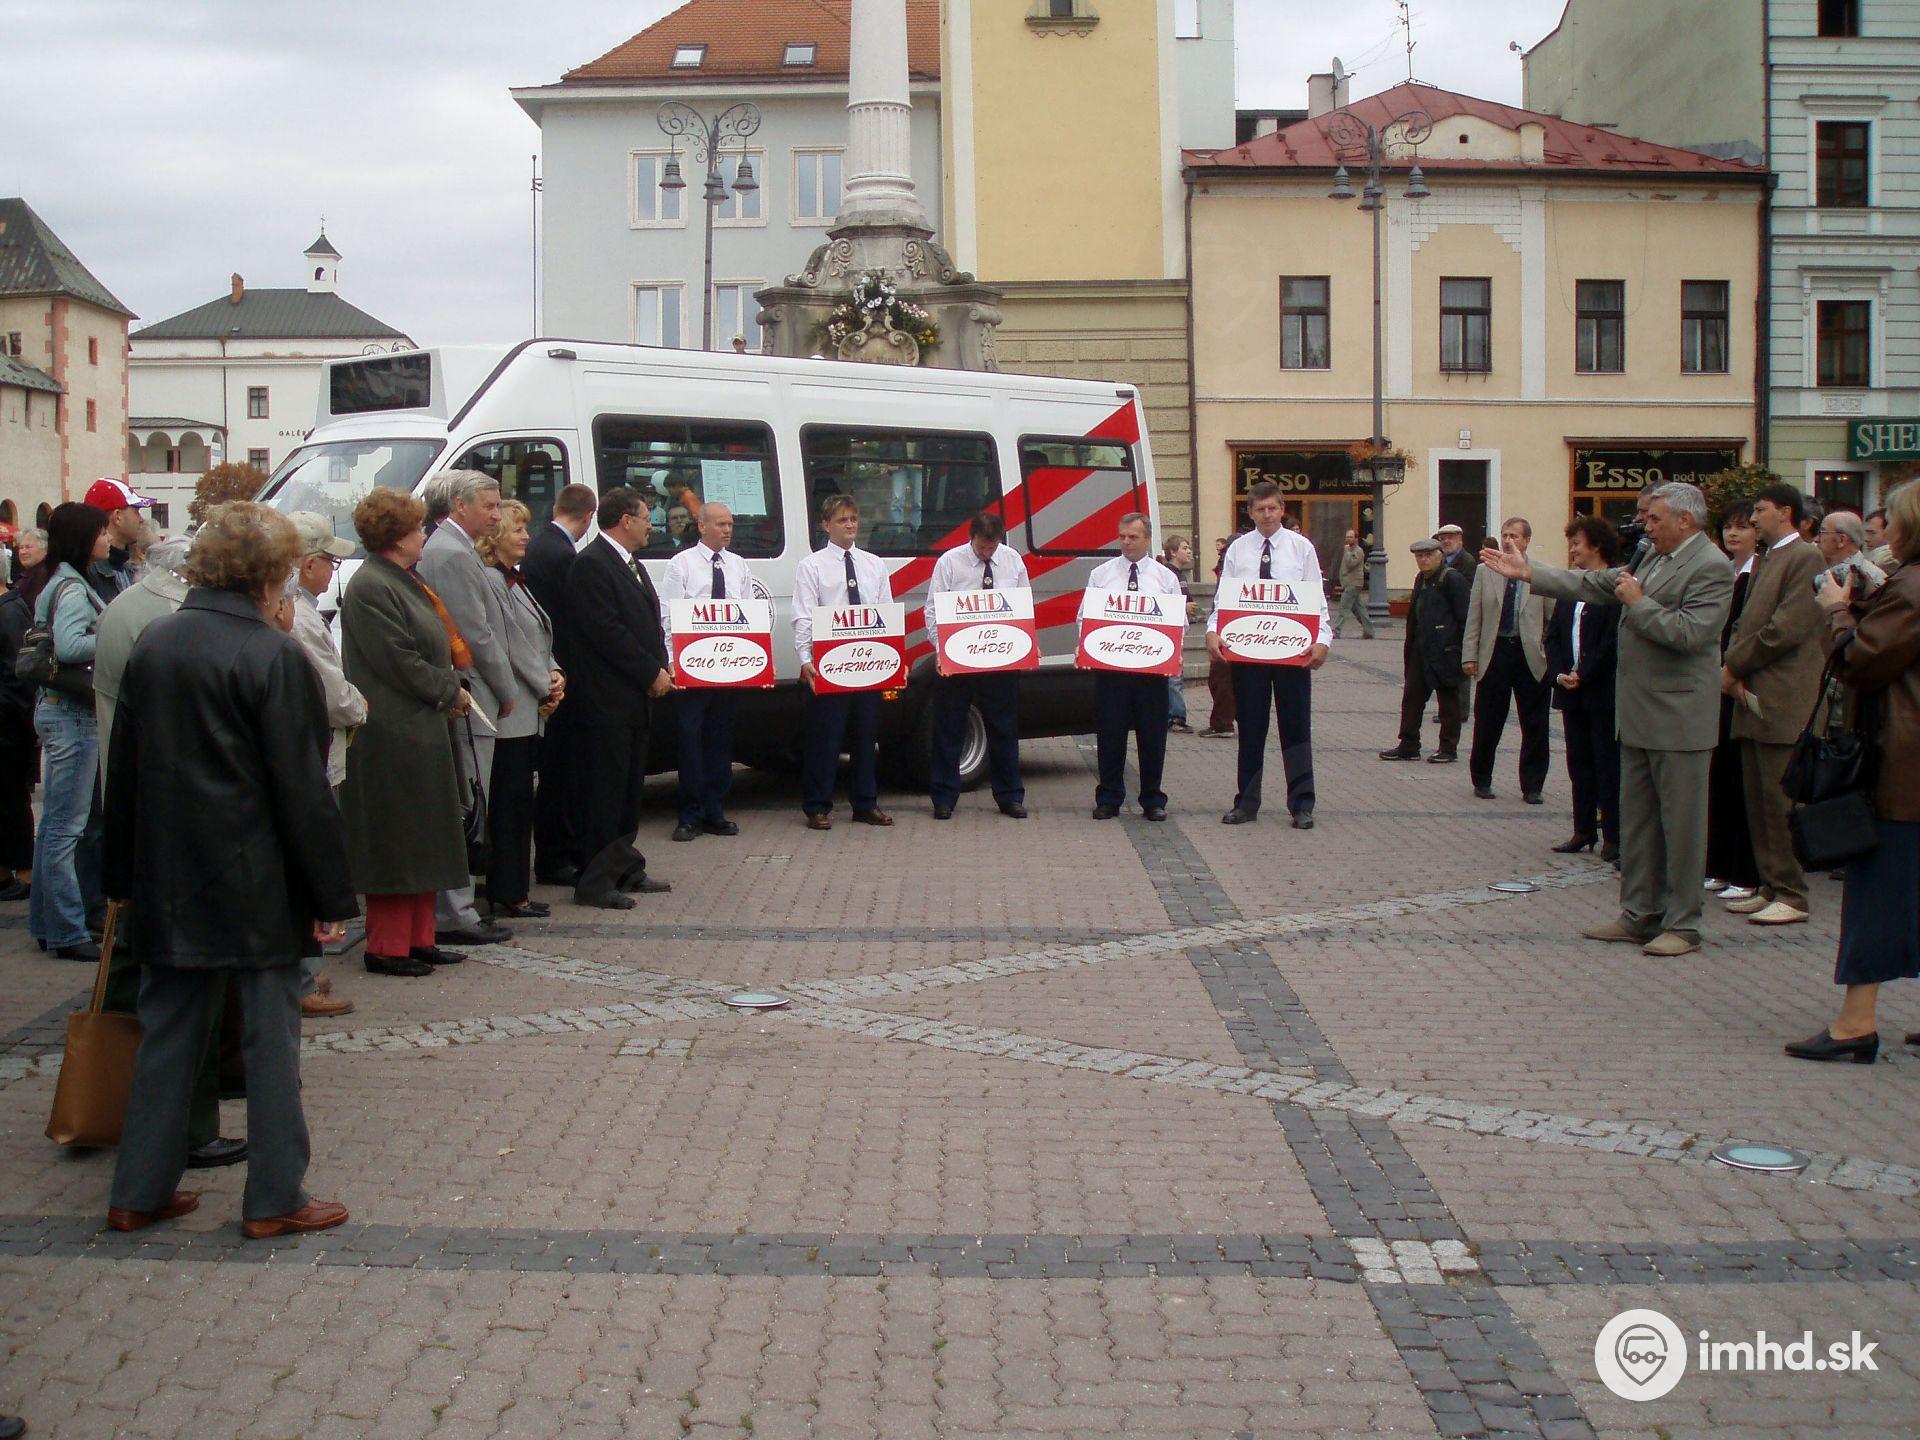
x: 1327, y: 91
x: 239, y: 290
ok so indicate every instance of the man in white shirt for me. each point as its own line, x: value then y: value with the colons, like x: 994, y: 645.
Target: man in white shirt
x: 838, y: 573
x: 985, y: 562
x: 708, y: 570
x: 1136, y: 703
x: 1270, y: 551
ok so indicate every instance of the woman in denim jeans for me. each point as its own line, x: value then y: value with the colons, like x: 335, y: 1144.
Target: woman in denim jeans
x: 69, y: 738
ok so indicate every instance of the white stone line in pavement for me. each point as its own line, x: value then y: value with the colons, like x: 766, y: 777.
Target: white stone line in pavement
x: 483, y: 1030
x: 1412, y: 1262
x: 858, y: 988
x: 659, y: 1047
x: 599, y: 972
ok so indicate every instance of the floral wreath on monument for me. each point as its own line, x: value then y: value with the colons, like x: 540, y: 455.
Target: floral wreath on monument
x: 876, y: 306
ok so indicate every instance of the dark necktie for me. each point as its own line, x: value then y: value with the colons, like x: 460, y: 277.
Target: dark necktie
x: 853, y: 581
x: 1133, y: 575
x: 719, y: 580
x: 986, y: 574
x: 1266, y: 559
x: 1508, y: 604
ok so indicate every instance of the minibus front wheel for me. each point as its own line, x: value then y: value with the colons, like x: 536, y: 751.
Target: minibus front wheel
x: 973, y: 750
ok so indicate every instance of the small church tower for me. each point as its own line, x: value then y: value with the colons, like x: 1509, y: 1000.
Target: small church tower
x: 323, y: 266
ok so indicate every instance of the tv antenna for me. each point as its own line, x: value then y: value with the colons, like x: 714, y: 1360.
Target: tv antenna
x: 1406, y: 27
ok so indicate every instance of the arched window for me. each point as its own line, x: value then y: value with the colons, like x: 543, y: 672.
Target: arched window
x: 319, y: 272
x: 43, y: 515
x: 7, y: 512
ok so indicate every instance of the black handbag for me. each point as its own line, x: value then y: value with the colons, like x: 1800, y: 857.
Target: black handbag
x: 474, y: 819
x: 1830, y: 778
x: 1827, y: 763
x: 37, y: 664
x: 1831, y: 833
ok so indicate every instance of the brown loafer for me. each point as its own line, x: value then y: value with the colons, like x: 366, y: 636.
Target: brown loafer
x: 314, y: 1215
x: 872, y: 817
x: 184, y: 1202
x: 318, y: 1006
x: 819, y: 822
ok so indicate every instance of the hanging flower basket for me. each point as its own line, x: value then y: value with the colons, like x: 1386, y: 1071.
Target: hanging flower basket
x: 1383, y: 466
x: 875, y: 323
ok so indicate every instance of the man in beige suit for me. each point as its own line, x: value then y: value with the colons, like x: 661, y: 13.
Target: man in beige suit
x: 1775, y: 657
x: 1667, y: 708
x: 1505, y: 650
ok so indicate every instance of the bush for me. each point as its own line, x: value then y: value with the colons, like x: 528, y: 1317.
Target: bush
x: 236, y: 480
x: 1723, y: 487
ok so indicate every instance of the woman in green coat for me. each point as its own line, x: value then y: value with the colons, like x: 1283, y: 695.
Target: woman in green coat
x: 406, y: 834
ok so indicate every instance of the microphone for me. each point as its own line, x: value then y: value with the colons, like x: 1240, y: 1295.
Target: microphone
x: 1640, y: 554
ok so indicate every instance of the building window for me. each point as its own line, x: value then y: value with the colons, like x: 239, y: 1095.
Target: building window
x: 738, y: 209
x: 1600, y: 326
x: 799, y: 52
x: 816, y: 185
x: 1840, y: 19
x: 260, y: 460
x: 656, y: 315
x: 1840, y: 164
x: 648, y: 204
x: 1703, y: 327
x: 1303, y: 323
x: 1060, y: 9
x: 256, y: 402
x: 1845, y: 342
x: 1463, y: 499
x: 173, y: 460
x: 14, y: 345
x: 93, y: 416
x: 736, y: 313
x: 1186, y: 19
x: 1840, y: 490
x: 1466, y: 324
x: 93, y: 350
x: 689, y: 57
x: 160, y: 514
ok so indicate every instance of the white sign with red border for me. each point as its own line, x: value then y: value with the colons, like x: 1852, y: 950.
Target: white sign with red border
x: 985, y: 631
x: 1132, y: 632
x: 721, y: 644
x: 859, y: 647
x: 1270, y: 622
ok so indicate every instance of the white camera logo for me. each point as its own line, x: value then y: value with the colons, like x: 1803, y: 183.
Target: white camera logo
x: 1640, y: 1355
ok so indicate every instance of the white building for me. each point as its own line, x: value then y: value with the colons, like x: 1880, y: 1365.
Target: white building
x: 238, y: 378
x: 622, y: 258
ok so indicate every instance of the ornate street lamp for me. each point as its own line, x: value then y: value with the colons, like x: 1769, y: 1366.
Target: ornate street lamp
x: 704, y: 138
x: 1346, y: 132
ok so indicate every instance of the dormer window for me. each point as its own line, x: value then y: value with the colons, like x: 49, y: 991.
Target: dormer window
x: 799, y: 52
x: 689, y: 57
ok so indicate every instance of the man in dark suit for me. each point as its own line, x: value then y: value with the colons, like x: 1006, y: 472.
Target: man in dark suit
x: 1436, y: 618
x: 1582, y: 649
x: 549, y: 559
x: 616, y: 665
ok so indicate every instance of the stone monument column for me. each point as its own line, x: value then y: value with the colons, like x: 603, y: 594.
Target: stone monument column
x: 881, y: 289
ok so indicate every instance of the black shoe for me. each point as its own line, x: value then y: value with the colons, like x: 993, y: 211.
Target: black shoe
x: 1442, y: 757
x: 1913, y: 1037
x: 1237, y: 816
x: 613, y: 900
x: 1014, y: 812
x: 404, y: 967
x: 481, y: 932
x: 1822, y: 1046
x: 15, y: 890
x: 1610, y: 852
x: 565, y: 875
x: 1303, y: 821
x: 216, y: 1153
x: 1105, y: 812
x: 1575, y: 845
x: 646, y: 885
x: 719, y: 827
x: 1534, y: 797
x: 684, y: 833
x: 523, y: 909
x: 12, y: 1427
x: 86, y: 950
x: 1154, y: 812
x: 435, y: 955
x: 1399, y: 753
x: 1483, y: 792
x: 943, y: 812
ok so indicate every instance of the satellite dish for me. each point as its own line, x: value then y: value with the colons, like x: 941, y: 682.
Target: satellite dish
x: 1339, y: 71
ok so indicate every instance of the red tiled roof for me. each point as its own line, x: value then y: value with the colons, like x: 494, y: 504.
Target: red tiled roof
x: 1567, y: 146
x: 746, y: 40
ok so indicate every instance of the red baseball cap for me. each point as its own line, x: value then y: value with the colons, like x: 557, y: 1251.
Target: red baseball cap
x: 110, y: 494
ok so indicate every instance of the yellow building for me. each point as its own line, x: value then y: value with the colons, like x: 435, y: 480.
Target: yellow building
x: 1568, y: 317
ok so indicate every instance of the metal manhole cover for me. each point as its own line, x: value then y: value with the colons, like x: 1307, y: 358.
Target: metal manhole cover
x: 1761, y: 1159
x: 757, y: 1000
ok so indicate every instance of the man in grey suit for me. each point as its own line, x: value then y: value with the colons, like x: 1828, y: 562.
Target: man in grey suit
x: 451, y: 569
x: 1505, y: 649
x: 1667, y: 709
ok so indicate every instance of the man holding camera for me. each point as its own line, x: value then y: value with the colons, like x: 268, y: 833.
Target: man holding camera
x: 1675, y: 606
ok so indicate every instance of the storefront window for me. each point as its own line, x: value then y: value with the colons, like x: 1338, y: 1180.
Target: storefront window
x: 1608, y: 478
x: 1324, y: 497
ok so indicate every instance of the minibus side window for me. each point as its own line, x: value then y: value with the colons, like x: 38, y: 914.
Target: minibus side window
x: 680, y: 465
x: 530, y: 471
x: 1076, y: 492
x: 918, y: 490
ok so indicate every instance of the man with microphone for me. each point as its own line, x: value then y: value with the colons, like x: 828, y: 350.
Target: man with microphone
x: 1132, y: 702
x: 1668, y: 709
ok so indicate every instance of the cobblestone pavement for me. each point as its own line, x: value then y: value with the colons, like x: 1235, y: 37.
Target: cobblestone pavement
x: 1069, y: 1129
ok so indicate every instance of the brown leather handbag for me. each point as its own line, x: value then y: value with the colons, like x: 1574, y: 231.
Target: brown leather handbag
x: 96, y: 1073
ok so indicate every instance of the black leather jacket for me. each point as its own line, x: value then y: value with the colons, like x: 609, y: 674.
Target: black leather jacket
x: 221, y: 830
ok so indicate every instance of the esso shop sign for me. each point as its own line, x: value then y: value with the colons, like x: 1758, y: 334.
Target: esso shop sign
x: 984, y: 631
x: 1134, y: 632
x: 721, y: 644
x: 859, y: 647
x: 1270, y: 622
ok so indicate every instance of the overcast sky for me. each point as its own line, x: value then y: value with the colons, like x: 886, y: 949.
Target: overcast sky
x: 172, y: 142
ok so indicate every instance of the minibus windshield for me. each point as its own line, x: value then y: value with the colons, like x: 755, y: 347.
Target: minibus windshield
x: 333, y: 477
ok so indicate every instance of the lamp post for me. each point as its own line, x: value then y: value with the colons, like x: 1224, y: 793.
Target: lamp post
x: 704, y: 138
x: 1347, y: 131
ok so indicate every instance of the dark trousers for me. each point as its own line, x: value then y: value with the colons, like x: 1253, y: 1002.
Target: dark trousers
x: 997, y: 698
x: 555, y: 845
x: 176, y: 1017
x: 610, y: 776
x: 123, y: 997
x: 1288, y: 691
x: 1593, y: 765
x: 1729, y: 834
x: 1415, y: 691
x: 1135, y: 704
x: 1220, y: 689
x: 510, y: 819
x: 19, y: 769
x: 830, y: 723
x: 1508, y: 677
x: 706, y: 753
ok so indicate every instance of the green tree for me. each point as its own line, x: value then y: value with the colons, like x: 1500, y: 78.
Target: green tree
x: 1742, y: 482
x: 235, y: 480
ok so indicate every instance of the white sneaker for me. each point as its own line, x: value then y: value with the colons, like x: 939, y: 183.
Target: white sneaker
x: 1731, y: 893
x: 1778, y: 913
